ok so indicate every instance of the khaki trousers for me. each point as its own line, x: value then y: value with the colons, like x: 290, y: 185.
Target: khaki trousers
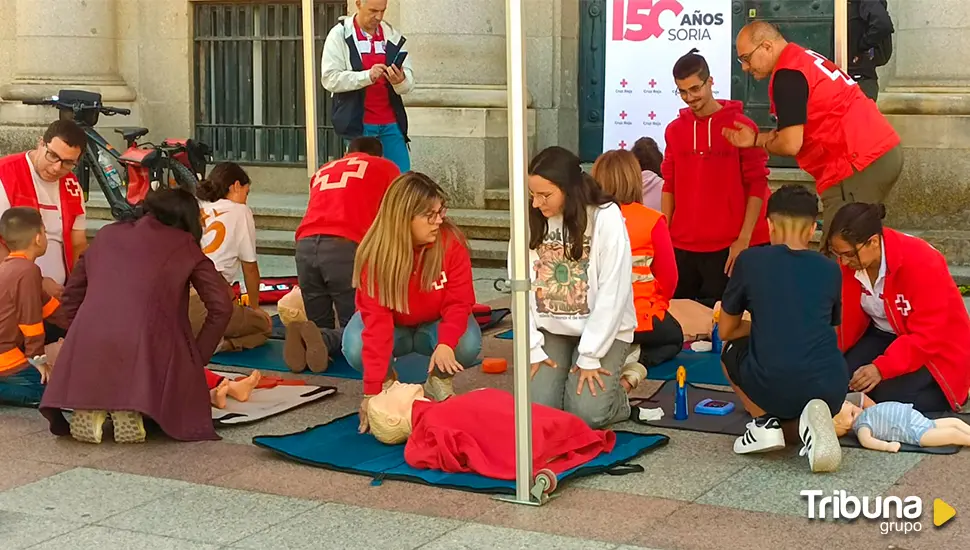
x: 247, y: 328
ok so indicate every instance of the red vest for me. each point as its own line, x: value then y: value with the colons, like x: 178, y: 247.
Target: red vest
x: 647, y: 299
x: 18, y: 182
x: 844, y: 132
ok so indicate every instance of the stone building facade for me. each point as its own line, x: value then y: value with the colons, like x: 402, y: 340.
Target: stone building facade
x: 139, y: 54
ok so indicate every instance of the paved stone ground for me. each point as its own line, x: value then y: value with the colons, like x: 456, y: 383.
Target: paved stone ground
x: 696, y: 493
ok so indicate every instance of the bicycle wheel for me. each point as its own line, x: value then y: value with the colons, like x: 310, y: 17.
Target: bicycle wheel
x: 178, y: 176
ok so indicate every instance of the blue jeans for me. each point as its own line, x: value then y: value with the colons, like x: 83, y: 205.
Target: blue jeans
x: 22, y: 389
x: 395, y: 148
x: 422, y: 339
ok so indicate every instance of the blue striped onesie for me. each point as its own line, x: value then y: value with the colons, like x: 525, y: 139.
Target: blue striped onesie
x: 893, y: 421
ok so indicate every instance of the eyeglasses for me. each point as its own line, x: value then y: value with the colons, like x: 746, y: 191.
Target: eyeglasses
x: 53, y: 158
x: 433, y: 215
x: 746, y: 58
x: 849, y: 254
x: 693, y: 90
x: 542, y: 197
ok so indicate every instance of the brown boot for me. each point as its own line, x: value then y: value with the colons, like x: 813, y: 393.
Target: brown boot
x: 294, y: 348
x: 317, y: 354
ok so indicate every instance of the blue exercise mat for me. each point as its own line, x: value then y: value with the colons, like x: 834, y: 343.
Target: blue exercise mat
x: 702, y: 368
x: 412, y: 369
x: 337, y: 446
x: 506, y: 335
x: 279, y: 330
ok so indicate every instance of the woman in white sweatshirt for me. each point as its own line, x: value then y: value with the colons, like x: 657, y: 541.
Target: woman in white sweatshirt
x: 582, y: 317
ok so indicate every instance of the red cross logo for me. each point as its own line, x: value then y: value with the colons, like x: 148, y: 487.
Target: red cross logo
x: 623, y: 83
x: 623, y: 115
x: 345, y: 169
x: 652, y: 115
x: 73, y: 187
x: 441, y: 282
x: 652, y: 83
x: 903, y: 305
x: 622, y: 144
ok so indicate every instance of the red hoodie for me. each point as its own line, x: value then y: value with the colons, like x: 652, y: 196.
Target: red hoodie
x: 926, y: 311
x: 711, y: 180
x: 475, y: 432
x: 451, y: 299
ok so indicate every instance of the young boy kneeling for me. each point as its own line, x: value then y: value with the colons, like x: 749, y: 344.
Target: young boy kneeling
x: 785, y: 363
x: 23, y: 308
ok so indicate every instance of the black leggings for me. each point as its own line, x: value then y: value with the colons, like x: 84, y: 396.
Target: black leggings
x: 918, y: 388
x: 663, y: 343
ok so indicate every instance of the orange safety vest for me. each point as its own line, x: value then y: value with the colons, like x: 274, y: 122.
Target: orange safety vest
x: 647, y: 299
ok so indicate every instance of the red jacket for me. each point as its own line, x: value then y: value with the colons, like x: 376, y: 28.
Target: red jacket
x: 450, y: 299
x: 345, y: 196
x: 711, y: 180
x: 844, y: 129
x: 475, y: 432
x: 925, y: 310
x: 18, y: 183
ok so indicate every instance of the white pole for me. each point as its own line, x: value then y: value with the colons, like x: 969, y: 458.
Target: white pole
x: 842, y: 34
x: 519, y: 204
x: 310, y: 87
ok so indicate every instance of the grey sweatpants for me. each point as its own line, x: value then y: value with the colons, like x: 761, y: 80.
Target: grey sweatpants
x: 556, y: 387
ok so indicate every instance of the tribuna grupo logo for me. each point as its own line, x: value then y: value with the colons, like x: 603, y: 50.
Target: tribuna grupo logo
x: 894, y: 514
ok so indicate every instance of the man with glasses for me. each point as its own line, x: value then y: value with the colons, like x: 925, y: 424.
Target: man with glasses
x: 714, y: 193
x: 824, y: 119
x: 42, y: 179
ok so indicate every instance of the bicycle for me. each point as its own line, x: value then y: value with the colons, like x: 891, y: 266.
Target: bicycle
x: 178, y: 163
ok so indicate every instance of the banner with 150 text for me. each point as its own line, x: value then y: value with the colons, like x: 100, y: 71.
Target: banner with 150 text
x: 644, y: 38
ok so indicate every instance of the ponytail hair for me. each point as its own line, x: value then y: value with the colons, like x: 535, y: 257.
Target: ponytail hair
x: 857, y: 222
x: 563, y: 169
x: 221, y: 178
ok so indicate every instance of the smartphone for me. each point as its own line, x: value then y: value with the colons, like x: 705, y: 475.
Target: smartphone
x: 399, y: 59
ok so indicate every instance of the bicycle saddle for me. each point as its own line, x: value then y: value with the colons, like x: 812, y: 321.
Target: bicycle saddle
x: 131, y: 133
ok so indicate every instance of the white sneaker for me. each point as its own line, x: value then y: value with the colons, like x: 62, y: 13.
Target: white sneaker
x: 819, y: 441
x: 763, y: 434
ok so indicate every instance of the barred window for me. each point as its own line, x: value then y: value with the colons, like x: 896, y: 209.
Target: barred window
x: 249, y: 92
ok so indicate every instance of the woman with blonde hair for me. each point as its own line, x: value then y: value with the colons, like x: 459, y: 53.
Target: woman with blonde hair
x: 658, y: 337
x: 413, y: 277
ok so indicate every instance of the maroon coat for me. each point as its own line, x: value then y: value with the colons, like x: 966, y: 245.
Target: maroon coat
x: 130, y: 344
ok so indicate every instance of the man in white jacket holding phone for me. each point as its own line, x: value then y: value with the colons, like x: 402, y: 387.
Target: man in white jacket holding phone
x: 365, y: 66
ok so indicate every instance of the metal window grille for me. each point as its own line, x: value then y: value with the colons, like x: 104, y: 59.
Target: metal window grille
x: 249, y: 99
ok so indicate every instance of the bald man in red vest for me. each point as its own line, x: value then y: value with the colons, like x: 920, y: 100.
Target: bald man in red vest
x: 825, y: 121
x: 41, y: 178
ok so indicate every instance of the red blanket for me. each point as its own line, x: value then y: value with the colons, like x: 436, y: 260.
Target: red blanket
x: 475, y: 432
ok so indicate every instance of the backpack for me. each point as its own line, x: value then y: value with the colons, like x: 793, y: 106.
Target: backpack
x: 884, y: 50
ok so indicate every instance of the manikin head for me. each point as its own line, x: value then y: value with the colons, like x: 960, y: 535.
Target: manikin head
x: 22, y: 230
x: 59, y: 151
x: 846, y: 418
x: 694, y: 82
x: 759, y: 45
x: 389, y: 412
x: 227, y: 180
x: 370, y: 13
x: 855, y: 237
x: 792, y: 212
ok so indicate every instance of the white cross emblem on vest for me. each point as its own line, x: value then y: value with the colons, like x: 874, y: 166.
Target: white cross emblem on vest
x: 441, y: 282
x: 902, y: 304
x: 73, y: 187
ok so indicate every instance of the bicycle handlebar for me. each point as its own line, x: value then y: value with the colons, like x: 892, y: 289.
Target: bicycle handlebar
x: 77, y: 106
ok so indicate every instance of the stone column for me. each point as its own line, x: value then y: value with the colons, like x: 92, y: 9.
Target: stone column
x: 926, y: 95
x: 63, y: 44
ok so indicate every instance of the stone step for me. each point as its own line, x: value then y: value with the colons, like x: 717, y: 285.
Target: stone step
x: 484, y: 253
x: 279, y: 212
